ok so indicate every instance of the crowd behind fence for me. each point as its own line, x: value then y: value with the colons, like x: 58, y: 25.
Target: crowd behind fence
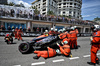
x: 28, y: 13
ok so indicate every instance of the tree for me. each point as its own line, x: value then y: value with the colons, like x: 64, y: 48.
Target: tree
x: 96, y: 19
x: 69, y: 16
x: 50, y: 13
x: 22, y: 5
x: 35, y: 11
x: 11, y: 4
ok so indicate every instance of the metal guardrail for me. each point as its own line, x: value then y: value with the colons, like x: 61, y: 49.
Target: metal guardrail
x: 35, y: 34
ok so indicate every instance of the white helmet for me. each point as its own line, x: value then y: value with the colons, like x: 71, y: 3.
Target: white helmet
x: 46, y: 30
x: 51, y: 28
x: 64, y: 29
x: 72, y: 28
x: 55, y: 29
x: 96, y: 26
x: 60, y: 30
x: 75, y: 26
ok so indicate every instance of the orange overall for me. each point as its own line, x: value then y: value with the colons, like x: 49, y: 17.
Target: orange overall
x: 19, y: 34
x: 56, y: 33
x: 76, y: 30
x: 65, y: 49
x: 15, y: 32
x: 95, y: 46
x: 41, y: 36
x: 73, y: 36
x: 63, y: 35
x: 66, y: 39
x: 46, y: 54
x: 51, y: 32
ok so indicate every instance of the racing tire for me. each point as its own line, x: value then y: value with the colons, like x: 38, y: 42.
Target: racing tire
x: 24, y: 48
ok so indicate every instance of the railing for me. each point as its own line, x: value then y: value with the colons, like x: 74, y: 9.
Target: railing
x: 12, y: 12
x: 48, y: 19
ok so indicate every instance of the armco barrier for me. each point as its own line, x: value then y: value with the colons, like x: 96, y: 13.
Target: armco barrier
x: 26, y: 34
x: 35, y: 34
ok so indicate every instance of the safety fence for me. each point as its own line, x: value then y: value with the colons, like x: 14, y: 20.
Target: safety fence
x: 35, y: 34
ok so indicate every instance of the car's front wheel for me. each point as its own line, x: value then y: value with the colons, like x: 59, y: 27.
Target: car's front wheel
x: 25, y: 48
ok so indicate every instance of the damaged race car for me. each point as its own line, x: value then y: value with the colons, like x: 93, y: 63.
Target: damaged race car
x: 39, y: 43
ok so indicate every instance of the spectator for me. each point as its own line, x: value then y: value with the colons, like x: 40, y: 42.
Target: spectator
x: 18, y: 13
x: 38, y: 29
x: 1, y: 11
x: 30, y: 14
x: 24, y: 30
x: 13, y: 28
x: 29, y: 30
x: 9, y: 28
x: 25, y: 14
x: 7, y: 13
x: 39, y: 16
x: 2, y: 28
x: 12, y: 12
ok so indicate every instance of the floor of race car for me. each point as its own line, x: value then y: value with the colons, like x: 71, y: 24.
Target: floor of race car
x: 10, y: 55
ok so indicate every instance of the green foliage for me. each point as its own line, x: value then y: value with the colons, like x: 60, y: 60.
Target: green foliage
x: 96, y: 19
x: 69, y: 16
x: 35, y: 11
x: 11, y: 4
x: 50, y: 13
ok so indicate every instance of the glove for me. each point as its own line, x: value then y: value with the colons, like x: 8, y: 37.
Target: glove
x: 62, y: 43
x: 47, y: 47
x: 59, y: 36
x: 91, y: 38
x: 57, y: 44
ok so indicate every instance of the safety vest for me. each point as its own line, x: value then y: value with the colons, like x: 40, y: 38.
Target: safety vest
x: 96, y: 38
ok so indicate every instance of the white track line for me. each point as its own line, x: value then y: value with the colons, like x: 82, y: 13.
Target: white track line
x: 74, y: 58
x: 38, y: 63
x: 17, y: 65
x: 89, y: 55
x: 58, y: 60
x: 86, y: 56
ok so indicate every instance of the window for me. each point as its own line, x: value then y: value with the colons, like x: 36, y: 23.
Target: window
x: 63, y: 12
x: 70, y: 3
x: 64, y: 3
x: 44, y: 10
x: 70, y: 6
x: 70, y: 12
x: 59, y: 4
x: 59, y: 7
x: 74, y: 3
x: 64, y: 6
x: 64, y: 0
x: 44, y: 0
x: 44, y: 13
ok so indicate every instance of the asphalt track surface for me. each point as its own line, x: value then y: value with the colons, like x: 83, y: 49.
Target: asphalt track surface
x: 10, y: 55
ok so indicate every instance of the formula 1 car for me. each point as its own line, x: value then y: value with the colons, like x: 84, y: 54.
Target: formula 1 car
x: 38, y: 43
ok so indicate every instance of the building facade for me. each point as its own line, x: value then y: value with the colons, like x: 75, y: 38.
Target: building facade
x: 70, y: 8
x: 46, y: 5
